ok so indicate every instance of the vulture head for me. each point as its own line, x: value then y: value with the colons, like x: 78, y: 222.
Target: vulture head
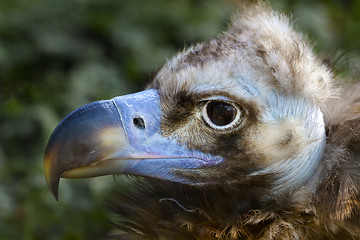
x: 245, y: 136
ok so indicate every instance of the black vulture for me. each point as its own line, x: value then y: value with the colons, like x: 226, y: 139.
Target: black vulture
x: 247, y: 136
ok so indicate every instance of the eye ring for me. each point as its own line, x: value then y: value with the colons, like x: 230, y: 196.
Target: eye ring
x: 221, y: 114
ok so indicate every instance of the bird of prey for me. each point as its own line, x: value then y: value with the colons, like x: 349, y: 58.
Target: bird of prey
x: 247, y: 136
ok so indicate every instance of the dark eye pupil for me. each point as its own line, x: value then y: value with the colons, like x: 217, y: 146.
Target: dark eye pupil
x: 221, y: 113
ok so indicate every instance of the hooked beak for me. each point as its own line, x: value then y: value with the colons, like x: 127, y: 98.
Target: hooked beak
x: 118, y: 136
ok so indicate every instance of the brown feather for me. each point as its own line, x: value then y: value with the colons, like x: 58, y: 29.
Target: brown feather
x: 326, y: 207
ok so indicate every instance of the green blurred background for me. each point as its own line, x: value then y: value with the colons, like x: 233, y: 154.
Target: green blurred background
x: 56, y: 55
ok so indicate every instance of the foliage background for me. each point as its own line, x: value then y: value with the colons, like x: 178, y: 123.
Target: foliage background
x: 56, y: 55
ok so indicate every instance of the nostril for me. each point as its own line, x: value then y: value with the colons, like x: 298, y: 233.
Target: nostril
x: 139, y: 123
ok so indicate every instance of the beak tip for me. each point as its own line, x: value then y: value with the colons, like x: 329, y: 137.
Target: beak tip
x: 76, y: 142
x: 56, y: 196
x: 53, y: 186
x: 52, y: 181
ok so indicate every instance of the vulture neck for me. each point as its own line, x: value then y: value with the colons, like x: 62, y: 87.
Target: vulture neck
x: 301, y: 168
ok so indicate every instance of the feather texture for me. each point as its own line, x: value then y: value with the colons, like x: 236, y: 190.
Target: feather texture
x: 281, y: 160
x: 260, y: 45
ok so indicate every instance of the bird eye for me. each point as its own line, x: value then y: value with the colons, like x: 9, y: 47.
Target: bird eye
x: 220, y: 114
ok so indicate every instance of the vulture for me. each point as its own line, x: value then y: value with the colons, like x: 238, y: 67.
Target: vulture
x: 246, y: 136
